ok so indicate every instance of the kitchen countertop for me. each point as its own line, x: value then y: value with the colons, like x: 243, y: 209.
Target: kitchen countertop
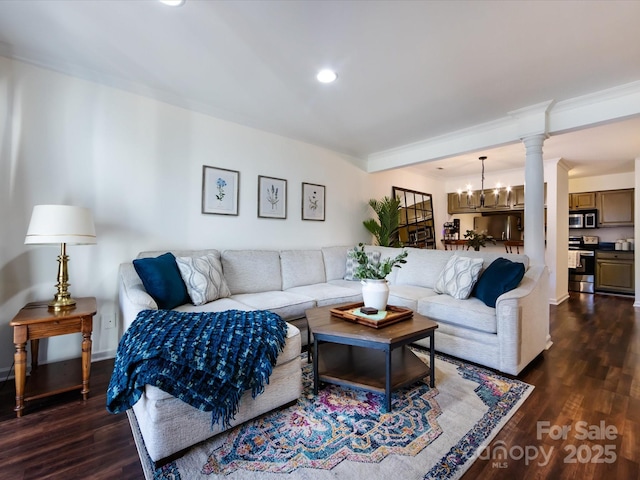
x: 610, y: 247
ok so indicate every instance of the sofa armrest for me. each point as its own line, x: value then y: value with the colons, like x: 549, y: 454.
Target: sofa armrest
x: 132, y: 297
x: 522, y: 316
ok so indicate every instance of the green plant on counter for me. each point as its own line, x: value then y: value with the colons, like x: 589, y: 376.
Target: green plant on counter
x: 477, y: 240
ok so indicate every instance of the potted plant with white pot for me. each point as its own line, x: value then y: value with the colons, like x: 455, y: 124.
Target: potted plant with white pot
x: 372, y: 274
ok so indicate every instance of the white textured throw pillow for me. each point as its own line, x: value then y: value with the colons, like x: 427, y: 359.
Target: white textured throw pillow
x: 459, y: 276
x: 351, y: 264
x: 203, y: 278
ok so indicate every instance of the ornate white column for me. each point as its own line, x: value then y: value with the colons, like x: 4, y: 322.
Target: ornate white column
x: 534, y: 233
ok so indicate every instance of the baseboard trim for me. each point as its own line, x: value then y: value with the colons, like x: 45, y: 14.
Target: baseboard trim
x: 107, y: 354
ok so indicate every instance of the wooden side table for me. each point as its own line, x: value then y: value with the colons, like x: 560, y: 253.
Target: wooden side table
x: 36, y: 321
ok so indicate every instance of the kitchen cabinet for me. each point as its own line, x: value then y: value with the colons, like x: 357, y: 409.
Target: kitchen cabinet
x: 615, y: 208
x: 501, y: 201
x: 517, y: 194
x: 582, y: 201
x: 463, y: 203
x: 615, y: 272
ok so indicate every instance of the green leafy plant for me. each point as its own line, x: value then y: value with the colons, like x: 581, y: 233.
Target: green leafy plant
x: 368, y: 269
x: 478, y: 239
x: 385, y: 229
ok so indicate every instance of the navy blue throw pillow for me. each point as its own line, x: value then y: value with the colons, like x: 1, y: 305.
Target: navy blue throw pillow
x: 161, y: 279
x: 499, y: 277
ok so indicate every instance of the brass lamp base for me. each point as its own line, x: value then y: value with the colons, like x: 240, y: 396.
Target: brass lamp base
x: 62, y: 303
x: 62, y: 299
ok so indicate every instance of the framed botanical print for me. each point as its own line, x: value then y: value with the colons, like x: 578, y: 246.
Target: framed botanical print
x: 220, y: 190
x: 313, y: 197
x: 272, y: 197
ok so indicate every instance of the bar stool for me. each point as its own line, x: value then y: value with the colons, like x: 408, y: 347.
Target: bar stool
x: 455, y: 244
x: 509, y: 244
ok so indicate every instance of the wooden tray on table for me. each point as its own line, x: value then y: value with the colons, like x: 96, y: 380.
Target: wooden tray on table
x: 394, y: 315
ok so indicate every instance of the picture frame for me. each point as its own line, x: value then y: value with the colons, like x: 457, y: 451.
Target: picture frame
x: 272, y: 197
x: 313, y: 201
x: 220, y: 190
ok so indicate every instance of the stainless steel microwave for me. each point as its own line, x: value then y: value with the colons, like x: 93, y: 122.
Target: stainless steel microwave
x: 583, y: 219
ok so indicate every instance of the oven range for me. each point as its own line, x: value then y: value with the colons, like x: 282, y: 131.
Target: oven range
x: 582, y: 263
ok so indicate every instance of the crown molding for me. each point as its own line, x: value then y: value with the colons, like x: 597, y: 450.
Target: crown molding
x: 493, y: 133
x: 547, y: 118
x: 596, y: 108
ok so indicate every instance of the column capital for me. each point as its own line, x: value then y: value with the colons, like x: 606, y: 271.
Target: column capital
x: 535, y: 141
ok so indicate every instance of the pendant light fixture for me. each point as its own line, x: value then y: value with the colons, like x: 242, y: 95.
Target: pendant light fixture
x: 482, y: 198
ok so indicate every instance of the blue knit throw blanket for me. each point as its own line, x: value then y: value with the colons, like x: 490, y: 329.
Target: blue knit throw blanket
x: 207, y: 359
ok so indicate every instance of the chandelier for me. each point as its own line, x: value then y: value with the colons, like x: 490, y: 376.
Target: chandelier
x: 483, y: 201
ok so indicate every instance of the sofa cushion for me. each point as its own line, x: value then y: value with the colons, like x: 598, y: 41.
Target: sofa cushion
x: 351, y: 264
x: 459, y: 276
x: 335, y: 262
x: 301, y: 267
x: 470, y: 313
x: 328, y: 294
x: 250, y: 271
x: 423, y: 267
x: 491, y: 255
x: 162, y: 280
x: 352, y: 284
x: 286, y: 304
x: 180, y: 253
x: 407, y: 296
x: 500, y: 277
x: 203, y: 278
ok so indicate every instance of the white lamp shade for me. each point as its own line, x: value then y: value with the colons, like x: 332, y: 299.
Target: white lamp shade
x: 61, y: 224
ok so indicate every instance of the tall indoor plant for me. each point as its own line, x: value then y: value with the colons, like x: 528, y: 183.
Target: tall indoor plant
x: 385, y: 229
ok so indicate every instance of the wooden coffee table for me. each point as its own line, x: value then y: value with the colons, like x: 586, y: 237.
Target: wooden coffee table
x: 359, y: 356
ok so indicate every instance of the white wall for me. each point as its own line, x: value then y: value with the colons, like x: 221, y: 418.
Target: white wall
x: 603, y: 182
x: 137, y: 163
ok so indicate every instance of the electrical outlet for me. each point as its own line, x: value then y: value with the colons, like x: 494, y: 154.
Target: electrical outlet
x: 109, y: 321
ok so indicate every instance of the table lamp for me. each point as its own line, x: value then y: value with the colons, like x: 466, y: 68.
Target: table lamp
x: 63, y: 224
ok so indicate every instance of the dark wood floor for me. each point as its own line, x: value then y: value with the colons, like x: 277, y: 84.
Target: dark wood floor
x: 591, y: 375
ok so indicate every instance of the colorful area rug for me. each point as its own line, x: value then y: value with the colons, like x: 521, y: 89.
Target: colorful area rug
x: 344, y: 433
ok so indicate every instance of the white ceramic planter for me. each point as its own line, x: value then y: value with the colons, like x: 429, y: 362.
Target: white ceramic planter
x: 375, y: 293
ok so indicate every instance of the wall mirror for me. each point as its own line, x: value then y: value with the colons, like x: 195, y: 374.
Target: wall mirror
x: 415, y: 226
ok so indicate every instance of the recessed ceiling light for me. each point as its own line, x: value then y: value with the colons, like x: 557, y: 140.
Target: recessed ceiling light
x: 326, y: 76
x: 172, y: 3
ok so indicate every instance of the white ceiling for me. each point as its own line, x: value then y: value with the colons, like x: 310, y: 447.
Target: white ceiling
x: 408, y: 70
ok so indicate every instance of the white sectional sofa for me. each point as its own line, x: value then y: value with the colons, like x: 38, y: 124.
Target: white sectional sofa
x: 288, y: 282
